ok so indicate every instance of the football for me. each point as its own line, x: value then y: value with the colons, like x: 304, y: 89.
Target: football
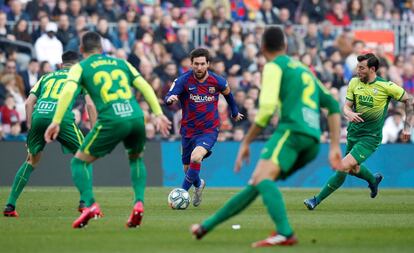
x: 179, y: 199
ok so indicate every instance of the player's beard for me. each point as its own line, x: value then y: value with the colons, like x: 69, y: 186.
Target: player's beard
x: 363, y: 78
x: 200, y: 76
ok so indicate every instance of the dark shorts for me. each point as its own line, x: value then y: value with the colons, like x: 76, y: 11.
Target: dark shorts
x: 69, y: 136
x: 290, y: 151
x: 104, y: 137
x: 206, y: 141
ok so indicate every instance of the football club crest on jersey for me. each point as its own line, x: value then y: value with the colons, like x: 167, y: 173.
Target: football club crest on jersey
x: 375, y: 91
x: 211, y: 90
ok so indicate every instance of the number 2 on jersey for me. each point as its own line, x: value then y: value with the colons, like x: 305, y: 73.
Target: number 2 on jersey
x: 307, y: 79
x: 107, y: 80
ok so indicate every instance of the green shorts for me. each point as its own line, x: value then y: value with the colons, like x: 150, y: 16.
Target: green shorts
x: 290, y: 151
x: 105, y: 135
x: 69, y: 136
x: 362, y: 147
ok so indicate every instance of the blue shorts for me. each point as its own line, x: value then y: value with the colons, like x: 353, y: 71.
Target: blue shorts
x: 206, y: 141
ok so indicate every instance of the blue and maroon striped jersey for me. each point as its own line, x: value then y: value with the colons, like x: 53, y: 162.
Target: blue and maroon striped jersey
x: 198, y: 102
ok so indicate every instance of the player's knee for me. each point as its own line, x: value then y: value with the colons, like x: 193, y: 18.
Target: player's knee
x: 33, y: 160
x: 196, y: 157
x: 134, y: 156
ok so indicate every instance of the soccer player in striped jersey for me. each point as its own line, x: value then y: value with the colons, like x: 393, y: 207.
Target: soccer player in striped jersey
x: 295, y: 142
x: 198, y: 92
x: 40, y: 107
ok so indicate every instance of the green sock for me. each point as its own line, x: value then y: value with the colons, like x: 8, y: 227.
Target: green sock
x: 82, y: 176
x: 332, y: 185
x: 138, y: 178
x: 20, y: 180
x: 365, y: 174
x: 235, y: 205
x: 273, y: 200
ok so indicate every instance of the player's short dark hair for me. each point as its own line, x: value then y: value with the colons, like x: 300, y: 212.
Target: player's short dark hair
x: 372, y: 60
x: 70, y: 57
x: 91, y: 41
x: 274, y: 39
x: 200, y: 52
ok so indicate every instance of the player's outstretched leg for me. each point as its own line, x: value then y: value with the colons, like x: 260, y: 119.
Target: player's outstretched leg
x: 234, y: 206
x: 88, y: 213
x: 276, y: 239
x: 332, y: 185
x: 138, y: 180
x: 20, y: 180
x: 273, y: 200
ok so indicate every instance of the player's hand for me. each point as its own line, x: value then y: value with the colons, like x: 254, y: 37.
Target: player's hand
x: 242, y: 156
x: 162, y: 125
x: 52, y: 132
x: 172, y: 99
x: 335, y: 158
x: 354, y: 117
x: 238, y: 117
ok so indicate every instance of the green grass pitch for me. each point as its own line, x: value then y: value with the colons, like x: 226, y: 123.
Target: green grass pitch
x: 349, y: 221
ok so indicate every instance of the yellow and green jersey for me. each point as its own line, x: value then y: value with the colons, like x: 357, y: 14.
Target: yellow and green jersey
x: 108, y: 81
x: 290, y: 86
x: 371, y: 99
x: 47, y: 91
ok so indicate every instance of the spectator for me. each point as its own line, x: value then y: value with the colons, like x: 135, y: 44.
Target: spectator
x: 61, y: 7
x: 351, y: 61
x: 35, y: 6
x: 182, y: 48
x: 143, y: 27
x: 48, y: 47
x: 267, y: 14
x: 65, y: 31
x: 338, y: 16
x: 20, y: 31
x: 45, y: 68
x: 222, y: 18
x: 326, y: 37
x: 311, y: 37
x: 315, y: 9
x: 43, y: 22
x: 408, y: 78
x: 165, y: 32
x: 109, y: 10
x: 206, y: 16
x: 294, y: 44
x: 356, y: 10
x: 15, y: 133
x: 131, y: 15
x: 344, y: 42
x: 11, y: 70
x: 8, y: 114
x: 379, y: 12
x: 284, y: 16
x: 238, y: 10
x: 103, y: 29
x: 16, y: 11
x: 75, y: 10
x: 392, y: 126
x: 4, y: 30
x: 91, y: 6
x: 30, y: 76
x: 232, y: 61
x: 408, y: 14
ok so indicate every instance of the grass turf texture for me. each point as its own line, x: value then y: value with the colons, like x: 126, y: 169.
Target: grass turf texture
x: 349, y: 221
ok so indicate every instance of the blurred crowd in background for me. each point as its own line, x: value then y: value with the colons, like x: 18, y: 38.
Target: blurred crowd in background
x: 156, y: 37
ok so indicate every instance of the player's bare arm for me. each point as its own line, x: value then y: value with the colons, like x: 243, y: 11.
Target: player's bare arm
x: 90, y: 107
x: 407, y: 99
x: 235, y: 114
x: 29, y: 104
x: 350, y: 115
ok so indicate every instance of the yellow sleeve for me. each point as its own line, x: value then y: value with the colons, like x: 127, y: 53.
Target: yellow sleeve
x: 68, y: 92
x: 134, y: 72
x: 395, y: 91
x: 350, y: 90
x: 143, y: 86
x: 36, y: 89
x: 269, y: 94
